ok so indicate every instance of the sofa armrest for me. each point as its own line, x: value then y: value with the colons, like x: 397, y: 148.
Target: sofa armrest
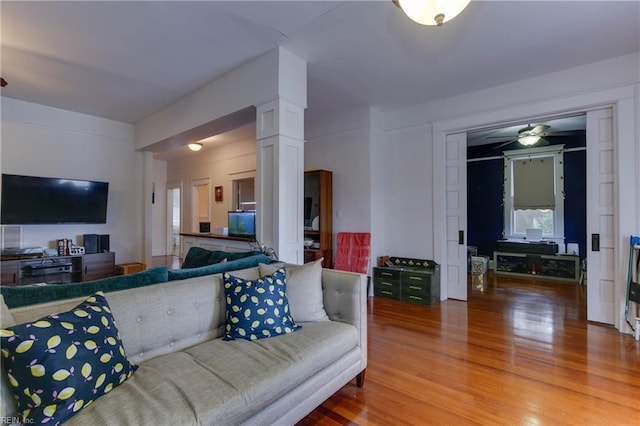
x: 345, y: 300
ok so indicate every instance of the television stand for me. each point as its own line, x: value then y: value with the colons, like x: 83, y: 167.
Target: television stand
x: 554, y: 267
x: 57, y: 269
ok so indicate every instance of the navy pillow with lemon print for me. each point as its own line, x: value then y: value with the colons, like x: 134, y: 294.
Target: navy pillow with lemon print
x: 63, y: 362
x: 257, y: 308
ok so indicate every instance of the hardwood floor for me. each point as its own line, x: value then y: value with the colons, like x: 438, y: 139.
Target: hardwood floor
x: 521, y: 352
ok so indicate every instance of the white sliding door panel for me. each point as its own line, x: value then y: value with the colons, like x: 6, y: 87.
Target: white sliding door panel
x: 600, y: 217
x: 456, y: 215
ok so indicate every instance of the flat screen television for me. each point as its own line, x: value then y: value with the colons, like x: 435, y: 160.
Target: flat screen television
x: 30, y: 200
x: 242, y: 224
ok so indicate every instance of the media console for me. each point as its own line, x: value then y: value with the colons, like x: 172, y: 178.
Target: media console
x: 57, y: 269
x: 556, y: 267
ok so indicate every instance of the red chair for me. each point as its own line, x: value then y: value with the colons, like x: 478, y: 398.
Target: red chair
x: 353, y: 252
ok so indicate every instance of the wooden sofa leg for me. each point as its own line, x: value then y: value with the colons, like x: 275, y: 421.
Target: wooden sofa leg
x: 360, y: 379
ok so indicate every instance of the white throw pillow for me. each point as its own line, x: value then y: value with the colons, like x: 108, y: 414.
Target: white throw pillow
x: 304, y: 289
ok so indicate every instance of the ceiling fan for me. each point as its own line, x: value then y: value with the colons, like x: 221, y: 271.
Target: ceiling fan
x: 532, y: 135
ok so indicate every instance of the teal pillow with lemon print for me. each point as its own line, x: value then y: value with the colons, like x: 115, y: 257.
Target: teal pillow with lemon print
x: 63, y: 362
x: 257, y: 308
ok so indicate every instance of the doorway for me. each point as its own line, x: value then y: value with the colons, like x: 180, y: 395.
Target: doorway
x: 174, y: 215
x: 450, y: 219
x: 200, y: 203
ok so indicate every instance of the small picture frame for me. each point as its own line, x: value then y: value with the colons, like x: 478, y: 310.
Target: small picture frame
x: 218, y: 193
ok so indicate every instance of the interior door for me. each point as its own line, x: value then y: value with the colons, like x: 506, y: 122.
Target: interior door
x: 456, y: 215
x: 600, y: 216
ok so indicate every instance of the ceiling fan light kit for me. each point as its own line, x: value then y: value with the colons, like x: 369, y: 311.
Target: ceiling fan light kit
x: 195, y: 146
x: 431, y: 12
x: 528, y: 140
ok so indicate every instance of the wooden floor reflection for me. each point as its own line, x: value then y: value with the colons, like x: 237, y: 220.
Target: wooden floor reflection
x: 518, y: 353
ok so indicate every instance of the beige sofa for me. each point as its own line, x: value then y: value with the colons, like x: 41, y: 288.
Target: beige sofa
x: 189, y: 375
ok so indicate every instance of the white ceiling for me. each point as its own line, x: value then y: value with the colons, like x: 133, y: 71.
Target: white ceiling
x: 126, y: 60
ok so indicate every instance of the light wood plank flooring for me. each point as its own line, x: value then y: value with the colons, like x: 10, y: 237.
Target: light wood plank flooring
x: 519, y: 353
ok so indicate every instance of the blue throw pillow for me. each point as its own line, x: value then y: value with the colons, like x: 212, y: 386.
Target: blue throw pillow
x: 257, y: 308
x: 63, y: 362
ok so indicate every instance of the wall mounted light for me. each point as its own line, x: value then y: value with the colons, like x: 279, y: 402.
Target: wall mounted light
x: 195, y: 146
x: 431, y: 12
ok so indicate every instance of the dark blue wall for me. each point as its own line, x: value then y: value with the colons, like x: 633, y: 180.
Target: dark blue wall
x: 485, y: 180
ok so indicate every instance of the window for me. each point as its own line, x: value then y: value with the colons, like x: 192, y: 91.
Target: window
x: 534, y: 191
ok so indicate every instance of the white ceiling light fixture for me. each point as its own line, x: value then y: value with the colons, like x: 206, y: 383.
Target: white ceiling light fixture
x: 195, y: 146
x: 432, y: 12
x: 528, y: 140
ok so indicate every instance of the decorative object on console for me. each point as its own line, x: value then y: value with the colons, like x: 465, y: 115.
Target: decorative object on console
x: 242, y: 223
x: 61, y: 363
x: 204, y: 227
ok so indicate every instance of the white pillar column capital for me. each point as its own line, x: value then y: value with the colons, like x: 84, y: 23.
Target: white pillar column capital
x: 279, y: 117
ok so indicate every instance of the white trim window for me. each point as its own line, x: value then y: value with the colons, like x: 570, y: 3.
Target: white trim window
x: 534, y: 192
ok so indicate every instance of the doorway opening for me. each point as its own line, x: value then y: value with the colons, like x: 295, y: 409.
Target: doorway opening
x: 200, y: 203
x: 174, y: 215
x: 244, y: 194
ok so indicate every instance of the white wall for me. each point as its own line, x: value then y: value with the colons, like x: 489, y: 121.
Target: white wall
x: 159, y: 209
x: 44, y: 141
x: 221, y: 165
x: 342, y: 147
x: 406, y: 181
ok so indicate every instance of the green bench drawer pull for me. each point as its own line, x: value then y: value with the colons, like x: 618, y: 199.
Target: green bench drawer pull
x: 412, y: 277
x: 413, y: 287
x: 415, y: 297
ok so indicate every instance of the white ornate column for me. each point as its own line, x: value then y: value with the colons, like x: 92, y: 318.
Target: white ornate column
x: 280, y: 178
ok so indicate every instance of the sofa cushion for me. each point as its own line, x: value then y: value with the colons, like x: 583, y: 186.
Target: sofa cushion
x: 304, y: 289
x: 257, y: 309
x: 224, y: 382
x: 195, y: 257
x: 33, y: 294
x: 198, y: 256
x: 62, y: 362
x: 243, y: 263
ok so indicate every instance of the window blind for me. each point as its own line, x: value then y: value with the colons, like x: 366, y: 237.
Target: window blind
x: 533, y: 184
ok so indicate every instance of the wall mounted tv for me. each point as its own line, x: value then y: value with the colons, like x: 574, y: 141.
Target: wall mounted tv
x: 242, y: 223
x: 30, y: 200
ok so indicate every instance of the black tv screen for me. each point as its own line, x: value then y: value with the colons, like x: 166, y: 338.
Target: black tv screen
x: 30, y: 200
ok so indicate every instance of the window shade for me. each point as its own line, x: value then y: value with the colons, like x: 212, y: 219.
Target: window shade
x: 533, y: 184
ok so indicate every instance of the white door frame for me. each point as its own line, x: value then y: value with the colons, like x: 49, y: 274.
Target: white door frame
x: 194, y: 201
x: 622, y: 99
x: 169, y: 225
